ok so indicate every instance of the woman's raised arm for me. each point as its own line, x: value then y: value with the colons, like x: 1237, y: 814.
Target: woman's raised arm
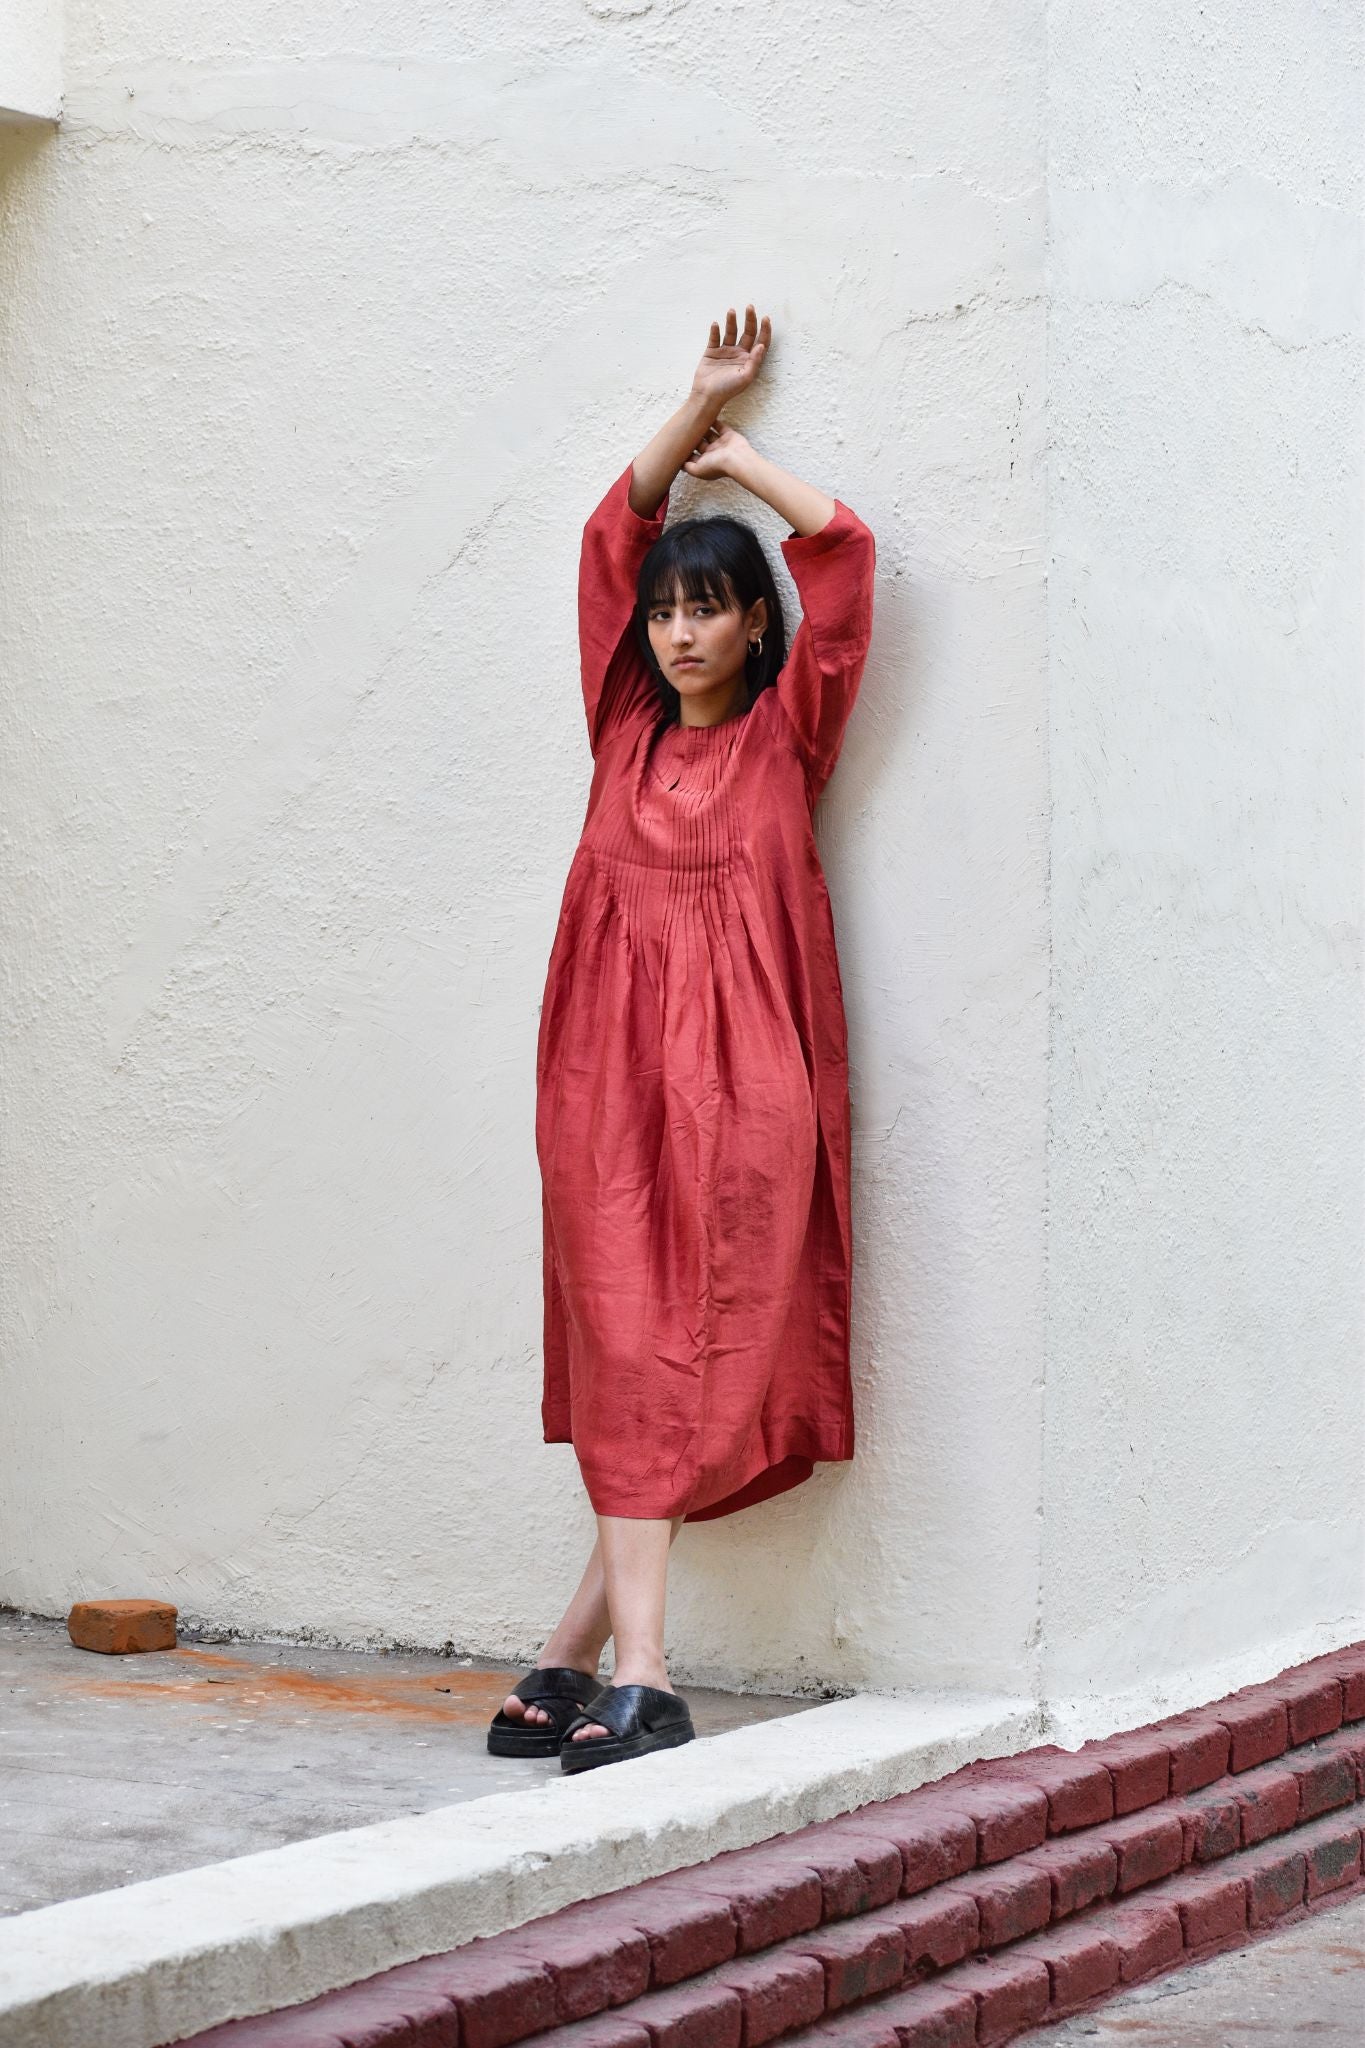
x: 728, y: 366
x: 723, y: 451
x: 832, y: 558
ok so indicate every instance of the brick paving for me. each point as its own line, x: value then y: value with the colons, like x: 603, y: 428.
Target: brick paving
x: 1008, y: 1895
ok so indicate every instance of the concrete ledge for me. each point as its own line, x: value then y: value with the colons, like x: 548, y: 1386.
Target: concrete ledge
x: 155, y: 1962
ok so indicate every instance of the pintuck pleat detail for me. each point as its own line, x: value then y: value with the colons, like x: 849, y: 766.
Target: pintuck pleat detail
x: 692, y: 1109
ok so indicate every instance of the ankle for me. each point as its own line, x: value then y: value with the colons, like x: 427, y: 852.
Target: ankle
x: 647, y: 1667
x: 562, y: 1652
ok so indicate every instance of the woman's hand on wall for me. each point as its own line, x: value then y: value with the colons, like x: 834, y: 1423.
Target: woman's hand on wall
x: 729, y: 366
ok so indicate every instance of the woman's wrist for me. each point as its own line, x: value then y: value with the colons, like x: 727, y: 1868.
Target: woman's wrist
x: 745, y: 467
x: 700, y: 411
x: 657, y: 464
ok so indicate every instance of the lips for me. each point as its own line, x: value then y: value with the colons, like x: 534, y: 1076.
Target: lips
x: 687, y: 663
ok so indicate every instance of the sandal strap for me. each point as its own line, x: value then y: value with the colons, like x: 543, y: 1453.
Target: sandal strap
x: 557, y: 1682
x: 630, y: 1709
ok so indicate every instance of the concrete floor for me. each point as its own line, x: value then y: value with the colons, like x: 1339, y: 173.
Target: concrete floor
x: 1304, y: 1985
x: 114, y: 1769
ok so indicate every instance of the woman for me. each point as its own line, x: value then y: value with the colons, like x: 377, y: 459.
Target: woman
x: 692, y: 1112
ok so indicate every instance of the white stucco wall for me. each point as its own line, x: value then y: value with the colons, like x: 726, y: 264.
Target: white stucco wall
x: 1206, y: 1328
x: 30, y: 60
x: 323, y: 337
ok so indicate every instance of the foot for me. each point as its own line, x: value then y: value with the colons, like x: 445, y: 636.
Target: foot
x: 575, y: 1658
x: 627, y: 1673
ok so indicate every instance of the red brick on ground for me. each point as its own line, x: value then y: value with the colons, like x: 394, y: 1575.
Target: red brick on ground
x: 122, y: 1628
x: 1148, y: 1845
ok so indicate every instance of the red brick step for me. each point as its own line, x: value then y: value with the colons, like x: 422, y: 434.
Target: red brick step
x: 1013, y: 1889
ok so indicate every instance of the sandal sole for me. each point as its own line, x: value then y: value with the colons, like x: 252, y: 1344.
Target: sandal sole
x: 539, y: 1745
x: 602, y: 1750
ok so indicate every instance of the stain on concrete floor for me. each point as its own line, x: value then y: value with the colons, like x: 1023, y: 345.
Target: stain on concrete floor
x: 114, y: 1769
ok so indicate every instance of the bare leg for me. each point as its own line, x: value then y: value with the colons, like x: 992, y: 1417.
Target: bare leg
x: 634, y: 1562
x: 579, y: 1639
x: 586, y: 1625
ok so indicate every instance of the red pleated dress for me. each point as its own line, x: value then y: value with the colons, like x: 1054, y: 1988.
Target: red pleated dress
x: 692, y: 1106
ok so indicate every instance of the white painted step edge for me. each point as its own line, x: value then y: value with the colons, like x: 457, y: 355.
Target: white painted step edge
x: 152, y: 1963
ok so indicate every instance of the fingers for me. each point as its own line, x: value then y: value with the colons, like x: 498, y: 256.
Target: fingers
x: 753, y: 339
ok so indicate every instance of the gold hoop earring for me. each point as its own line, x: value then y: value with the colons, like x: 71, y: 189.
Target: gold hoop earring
x: 756, y: 650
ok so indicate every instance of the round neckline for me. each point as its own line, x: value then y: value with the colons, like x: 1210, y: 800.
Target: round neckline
x: 723, y: 725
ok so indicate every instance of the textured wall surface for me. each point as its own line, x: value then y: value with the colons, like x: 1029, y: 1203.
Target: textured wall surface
x: 322, y: 330
x: 31, y: 59
x: 1205, y: 1443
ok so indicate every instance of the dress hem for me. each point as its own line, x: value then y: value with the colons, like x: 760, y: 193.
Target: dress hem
x: 781, y: 1475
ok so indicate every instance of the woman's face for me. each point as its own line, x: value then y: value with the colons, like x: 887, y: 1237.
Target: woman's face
x: 699, y: 647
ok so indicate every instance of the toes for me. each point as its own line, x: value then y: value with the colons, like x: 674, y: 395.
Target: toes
x: 584, y: 1734
x: 518, y: 1710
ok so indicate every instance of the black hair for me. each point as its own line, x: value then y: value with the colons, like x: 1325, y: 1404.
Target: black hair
x: 717, y: 561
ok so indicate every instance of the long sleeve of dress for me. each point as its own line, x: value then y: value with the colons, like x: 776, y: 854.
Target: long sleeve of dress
x: 616, y: 682
x: 818, y: 684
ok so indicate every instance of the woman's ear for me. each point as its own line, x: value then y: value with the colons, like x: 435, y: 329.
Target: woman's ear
x: 757, y: 621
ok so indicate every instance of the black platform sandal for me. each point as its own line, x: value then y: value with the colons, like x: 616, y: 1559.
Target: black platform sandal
x: 562, y: 1692
x: 640, y: 1717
